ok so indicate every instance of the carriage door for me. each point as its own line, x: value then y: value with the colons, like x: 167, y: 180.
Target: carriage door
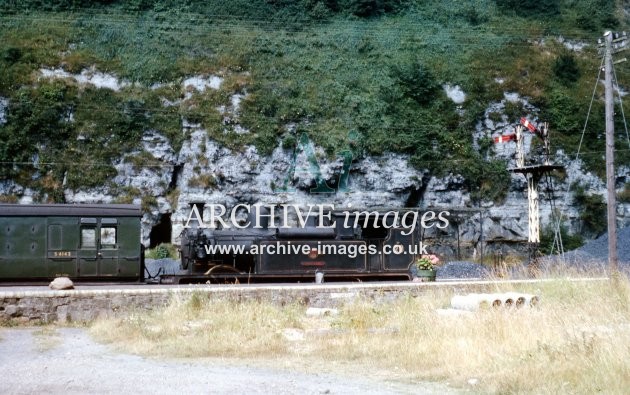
x: 98, y: 253
x: 87, y: 252
x: 108, y: 247
x: 61, y: 256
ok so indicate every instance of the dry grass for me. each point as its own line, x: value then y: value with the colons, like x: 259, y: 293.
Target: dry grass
x: 576, y: 341
x: 198, y: 327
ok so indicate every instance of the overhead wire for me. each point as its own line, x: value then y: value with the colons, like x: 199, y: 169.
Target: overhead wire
x: 168, y: 165
x: 207, y: 23
x: 557, y: 233
x: 623, y: 115
x: 411, y: 18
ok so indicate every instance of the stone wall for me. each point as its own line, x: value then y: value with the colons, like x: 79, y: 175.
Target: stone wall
x: 79, y: 306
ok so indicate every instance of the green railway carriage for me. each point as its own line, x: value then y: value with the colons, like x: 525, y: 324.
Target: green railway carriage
x: 82, y: 241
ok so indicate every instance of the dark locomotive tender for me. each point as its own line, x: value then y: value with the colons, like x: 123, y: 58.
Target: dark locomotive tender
x: 83, y: 242
x: 257, y: 264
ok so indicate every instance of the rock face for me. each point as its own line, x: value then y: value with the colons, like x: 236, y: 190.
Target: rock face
x: 205, y: 171
x: 166, y: 180
x: 61, y: 283
x: 214, y: 174
x: 455, y: 93
x: 88, y: 76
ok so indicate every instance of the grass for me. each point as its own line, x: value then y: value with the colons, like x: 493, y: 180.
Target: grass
x: 198, y: 327
x: 330, y: 73
x: 575, y: 341
x: 204, y: 181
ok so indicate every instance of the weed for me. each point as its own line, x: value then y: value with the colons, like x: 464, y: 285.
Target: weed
x: 204, y: 181
x: 574, y: 346
x: 162, y: 251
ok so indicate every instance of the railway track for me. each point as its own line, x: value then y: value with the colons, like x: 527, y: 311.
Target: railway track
x: 448, y: 283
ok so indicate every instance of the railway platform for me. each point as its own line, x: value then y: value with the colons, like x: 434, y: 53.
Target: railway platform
x: 36, y: 303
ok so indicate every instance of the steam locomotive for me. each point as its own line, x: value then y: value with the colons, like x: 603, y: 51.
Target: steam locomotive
x: 338, y: 245
x: 102, y: 242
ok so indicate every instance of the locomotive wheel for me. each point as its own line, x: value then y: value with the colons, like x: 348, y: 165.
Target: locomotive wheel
x: 219, y: 268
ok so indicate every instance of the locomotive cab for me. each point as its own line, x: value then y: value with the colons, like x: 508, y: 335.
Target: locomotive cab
x: 390, y: 249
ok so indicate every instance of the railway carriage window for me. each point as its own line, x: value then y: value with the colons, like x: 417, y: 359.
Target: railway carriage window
x: 108, y: 237
x: 88, y: 237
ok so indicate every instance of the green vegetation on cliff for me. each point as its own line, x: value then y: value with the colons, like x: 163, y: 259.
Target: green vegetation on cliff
x: 331, y: 67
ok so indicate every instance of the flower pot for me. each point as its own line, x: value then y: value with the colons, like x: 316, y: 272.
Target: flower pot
x: 425, y: 275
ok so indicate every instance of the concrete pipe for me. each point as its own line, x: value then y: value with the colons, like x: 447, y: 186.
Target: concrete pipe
x: 488, y: 300
x: 531, y: 300
x: 473, y: 302
x: 518, y: 300
x: 468, y: 302
x: 495, y: 300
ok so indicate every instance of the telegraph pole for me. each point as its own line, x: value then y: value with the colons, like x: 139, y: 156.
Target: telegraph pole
x: 610, y: 156
x: 619, y: 43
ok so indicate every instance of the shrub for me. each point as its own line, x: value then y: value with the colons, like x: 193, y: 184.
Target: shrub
x: 569, y: 241
x: 594, y: 15
x: 624, y: 196
x: 592, y: 211
x: 162, y: 251
x: 38, y: 117
x: 473, y: 15
x: 565, y: 69
x: 529, y: 8
x: 369, y: 8
x: 416, y: 81
x: 205, y: 181
x: 485, y: 180
x: 9, y: 199
x: 560, y: 111
x: 11, y: 54
x: 289, y: 143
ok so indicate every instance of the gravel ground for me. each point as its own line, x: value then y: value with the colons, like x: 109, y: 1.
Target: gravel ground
x: 593, y: 256
x: 168, y: 266
x: 68, y: 361
x: 462, y: 269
